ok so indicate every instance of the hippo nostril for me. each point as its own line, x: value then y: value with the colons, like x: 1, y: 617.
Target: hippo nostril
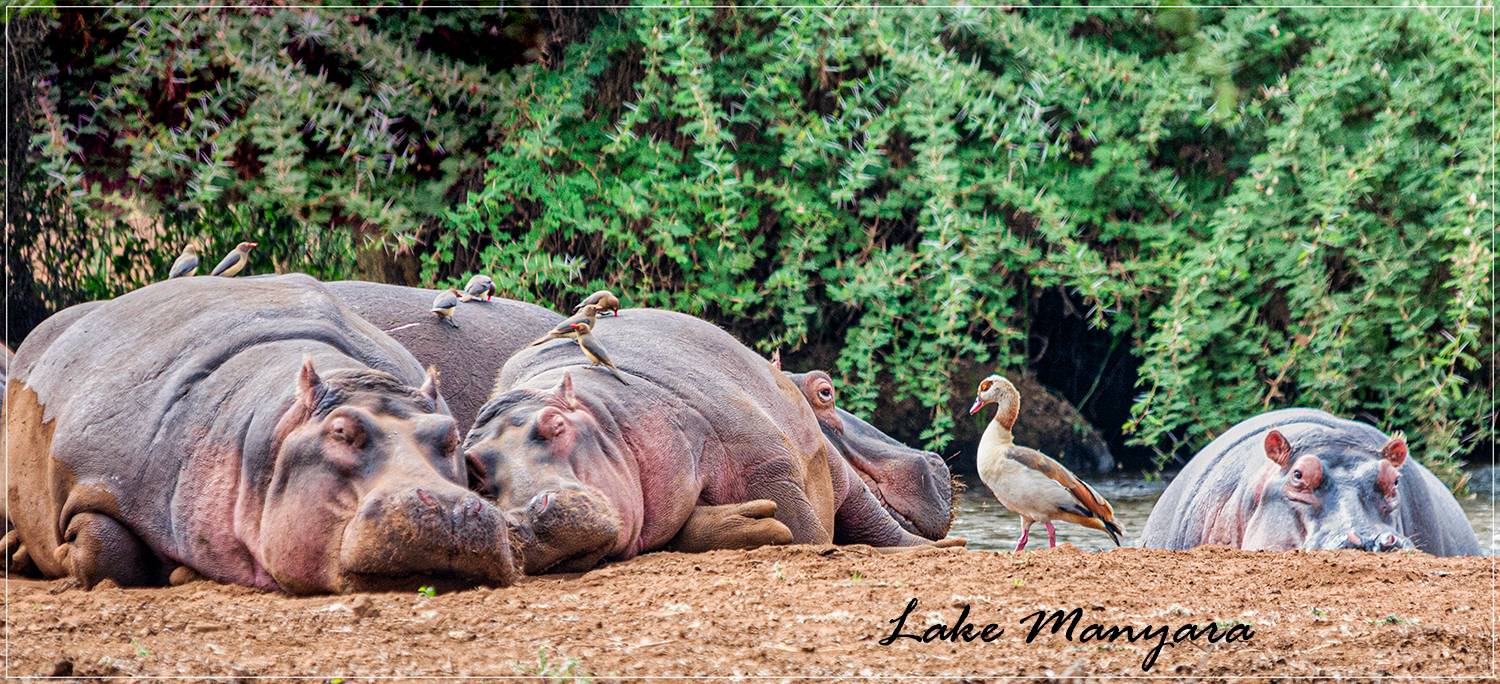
x: 1354, y: 539
x: 426, y: 498
x: 542, y: 502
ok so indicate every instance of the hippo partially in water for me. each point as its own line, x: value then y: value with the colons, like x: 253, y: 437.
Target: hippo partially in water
x: 467, y: 357
x: 1304, y: 479
x: 914, y: 487
x: 254, y: 431
x: 687, y: 455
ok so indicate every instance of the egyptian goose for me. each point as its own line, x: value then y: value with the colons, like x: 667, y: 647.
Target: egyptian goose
x: 1028, y: 482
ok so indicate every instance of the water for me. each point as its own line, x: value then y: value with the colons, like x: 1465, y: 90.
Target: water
x: 989, y: 526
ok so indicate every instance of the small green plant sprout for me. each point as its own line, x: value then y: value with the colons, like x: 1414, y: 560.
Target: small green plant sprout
x: 140, y: 650
x: 1319, y: 612
x: 335, y: 680
x: 1023, y: 561
x: 428, y: 591
x: 857, y: 579
x: 1226, y: 624
x: 1392, y: 620
x: 566, y: 671
x: 1018, y: 582
x: 781, y: 576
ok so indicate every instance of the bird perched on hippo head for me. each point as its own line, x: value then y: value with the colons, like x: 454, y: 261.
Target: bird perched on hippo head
x: 565, y: 330
x: 186, y: 264
x: 444, y: 304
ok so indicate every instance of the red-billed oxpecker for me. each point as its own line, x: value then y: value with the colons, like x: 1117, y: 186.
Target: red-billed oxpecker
x: 565, y: 329
x: 185, y: 265
x: 595, y: 351
x: 1028, y: 482
x: 235, y: 260
x: 444, y: 304
x: 479, y: 287
x: 607, y: 302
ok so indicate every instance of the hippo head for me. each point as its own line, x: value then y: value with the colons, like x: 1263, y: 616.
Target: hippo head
x: 365, y: 493
x: 1329, y: 495
x: 914, y: 486
x: 566, y: 489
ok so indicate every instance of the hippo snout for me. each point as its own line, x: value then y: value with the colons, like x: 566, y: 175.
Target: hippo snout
x: 439, y: 535
x: 1382, y: 541
x: 564, y: 530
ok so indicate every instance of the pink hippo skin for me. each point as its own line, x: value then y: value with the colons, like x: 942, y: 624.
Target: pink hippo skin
x: 250, y: 429
x: 589, y: 468
x: 1304, y: 479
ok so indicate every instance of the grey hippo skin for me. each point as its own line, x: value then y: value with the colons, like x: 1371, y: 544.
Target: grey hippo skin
x: 706, y: 441
x: 467, y: 357
x: 1304, y: 479
x: 913, y: 487
x: 251, y: 430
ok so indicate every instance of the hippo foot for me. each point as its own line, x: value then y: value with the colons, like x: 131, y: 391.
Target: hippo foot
x: 734, y: 526
x: 98, y: 548
x: 18, y: 559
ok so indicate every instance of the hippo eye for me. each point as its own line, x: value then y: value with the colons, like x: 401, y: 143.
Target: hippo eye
x: 1297, y: 475
x: 825, y: 394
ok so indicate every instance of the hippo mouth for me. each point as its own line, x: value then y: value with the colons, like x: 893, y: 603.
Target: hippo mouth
x: 908, y: 521
x: 566, y: 530
x: 1384, y: 542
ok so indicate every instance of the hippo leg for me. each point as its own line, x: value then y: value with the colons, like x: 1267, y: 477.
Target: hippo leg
x: 733, y: 526
x: 17, y: 558
x: 99, y: 547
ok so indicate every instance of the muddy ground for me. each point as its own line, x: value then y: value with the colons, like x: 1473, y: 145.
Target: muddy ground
x: 819, y: 611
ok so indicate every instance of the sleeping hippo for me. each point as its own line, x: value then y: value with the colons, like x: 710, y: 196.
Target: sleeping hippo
x: 914, y: 487
x: 1304, y: 479
x: 467, y: 357
x: 704, y: 445
x: 252, y: 430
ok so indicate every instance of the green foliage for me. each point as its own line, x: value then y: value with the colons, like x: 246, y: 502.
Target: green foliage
x: 323, y: 134
x: 1277, y: 206
x: 1272, y: 207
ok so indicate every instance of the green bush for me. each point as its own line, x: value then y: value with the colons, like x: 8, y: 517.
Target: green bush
x: 1273, y: 207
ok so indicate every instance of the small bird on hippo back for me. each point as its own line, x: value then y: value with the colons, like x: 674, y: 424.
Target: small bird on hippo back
x: 605, y: 300
x: 479, y: 287
x: 1028, y: 482
x: 235, y: 261
x: 587, y: 314
x: 595, y: 351
x: 185, y: 265
x: 444, y: 304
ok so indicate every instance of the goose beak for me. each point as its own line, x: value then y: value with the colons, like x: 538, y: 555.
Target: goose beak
x: 978, y: 404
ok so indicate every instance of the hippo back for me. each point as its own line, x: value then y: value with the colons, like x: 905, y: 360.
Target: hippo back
x: 469, y: 356
x: 160, y: 407
x: 1218, y: 486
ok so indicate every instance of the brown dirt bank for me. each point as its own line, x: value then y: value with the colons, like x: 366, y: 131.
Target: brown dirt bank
x: 817, y: 611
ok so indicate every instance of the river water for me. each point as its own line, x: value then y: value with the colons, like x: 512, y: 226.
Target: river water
x: 989, y: 526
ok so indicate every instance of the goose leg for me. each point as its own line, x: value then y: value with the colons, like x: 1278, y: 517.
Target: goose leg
x: 1025, y: 534
x: 1051, y: 536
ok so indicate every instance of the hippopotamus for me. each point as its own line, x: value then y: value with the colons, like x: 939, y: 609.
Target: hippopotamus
x: 254, y: 431
x: 914, y: 487
x: 708, y: 446
x: 1305, y: 479
x: 467, y: 357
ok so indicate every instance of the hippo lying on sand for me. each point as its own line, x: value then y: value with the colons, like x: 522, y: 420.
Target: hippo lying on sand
x: 589, y: 468
x: 255, y: 431
x: 914, y: 487
x: 1304, y: 479
x: 467, y: 357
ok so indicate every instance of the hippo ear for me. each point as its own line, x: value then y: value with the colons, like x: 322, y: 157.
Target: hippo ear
x: 1278, y: 449
x: 307, y: 383
x: 430, y: 386
x: 1395, y: 450
x: 776, y: 359
x: 565, y: 391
